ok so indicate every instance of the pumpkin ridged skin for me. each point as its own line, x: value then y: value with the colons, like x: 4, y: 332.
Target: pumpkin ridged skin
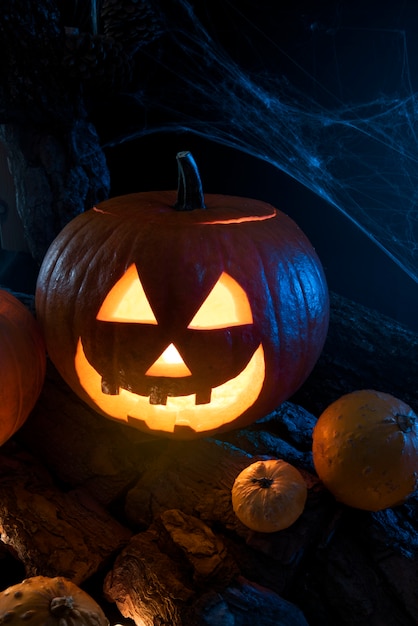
x: 22, y: 364
x: 365, y: 450
x: 268, y: 496
x: 43, y: 601
x: 268, y: 256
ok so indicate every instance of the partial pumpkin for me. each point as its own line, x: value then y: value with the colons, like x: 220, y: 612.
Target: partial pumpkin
x: 43, y: 601
x: 268, y: 496
x: 22, y: 364
x: 183, y: 314
x: 365, y: 450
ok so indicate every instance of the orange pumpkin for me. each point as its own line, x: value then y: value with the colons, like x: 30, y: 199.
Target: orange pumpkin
x: 268, y: 496
x: 183, y: 322
x: 43, y: 601
x: 22, y: 364
x: 365, y: 450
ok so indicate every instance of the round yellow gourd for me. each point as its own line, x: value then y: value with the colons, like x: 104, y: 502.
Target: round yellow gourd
x: 43, y: 601
x: 365, y: 450
x: 269, y: 495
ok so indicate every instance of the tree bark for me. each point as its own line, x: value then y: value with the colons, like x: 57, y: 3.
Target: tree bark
x: 53, y: 532
x: 58, y: 173
x: 180, y: 572
x: 364, y: 350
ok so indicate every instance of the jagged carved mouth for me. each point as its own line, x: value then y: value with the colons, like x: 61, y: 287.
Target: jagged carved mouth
x: 159, y: 391
x: 163, y: 412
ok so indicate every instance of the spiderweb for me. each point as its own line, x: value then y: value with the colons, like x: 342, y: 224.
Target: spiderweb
x: 345, y: 125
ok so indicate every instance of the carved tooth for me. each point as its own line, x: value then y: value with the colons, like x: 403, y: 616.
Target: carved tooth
x: 157, y: 396
x: 203, y: 396
x: 109, y: 388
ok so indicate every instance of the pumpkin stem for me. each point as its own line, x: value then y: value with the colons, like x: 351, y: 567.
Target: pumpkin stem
x: 189, y: 192
x: 264, y: 482
x: 61, y: 606
x: 405, y: 422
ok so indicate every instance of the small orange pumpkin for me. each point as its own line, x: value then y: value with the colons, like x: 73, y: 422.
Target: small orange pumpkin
x: 22, y: 364
x: 269, y: 495
x: 365, y: 450
x: 43, y: 601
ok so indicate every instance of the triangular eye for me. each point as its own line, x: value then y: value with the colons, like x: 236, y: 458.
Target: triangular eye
x: 126, y: 301
x: 226, y: 305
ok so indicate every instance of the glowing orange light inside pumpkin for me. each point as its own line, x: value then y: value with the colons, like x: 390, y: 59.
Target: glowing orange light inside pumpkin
x: 227, y: 401
x: 170, y: 364
x: 126, y: 301
x: 226, y: 305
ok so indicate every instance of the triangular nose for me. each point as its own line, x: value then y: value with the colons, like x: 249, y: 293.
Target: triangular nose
x: 169, y: 364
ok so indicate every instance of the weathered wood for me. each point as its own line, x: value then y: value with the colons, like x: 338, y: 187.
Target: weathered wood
x: 285, y: 433
x: 194, y: 477
x: 198, y: 480
x: 363, y: 350
x: 146, y: 584
x: 179, y: 572
x: 353, y: 580
x: 58, y: 173
x: 244, y: 603
x: 50, y: 531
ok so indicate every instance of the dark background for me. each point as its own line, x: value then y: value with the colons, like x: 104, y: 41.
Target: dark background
x: 291, y: 39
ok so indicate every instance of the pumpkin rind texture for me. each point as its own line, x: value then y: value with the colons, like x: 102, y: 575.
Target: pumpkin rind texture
x: 365, y: 450
x: 22, y: 364
x: 161, y: 364
x: 268, y: 496
x: 43, y: 601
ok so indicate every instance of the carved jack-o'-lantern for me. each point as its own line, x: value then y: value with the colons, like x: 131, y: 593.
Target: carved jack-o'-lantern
x: 183, y: 322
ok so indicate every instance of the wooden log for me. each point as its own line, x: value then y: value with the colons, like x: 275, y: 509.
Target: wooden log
x: 180, y: 573
x: 244, y: 602
x: 51, y: 532
x: 191, y: 476
x: 364, y: 350
x: 146, y: 584
x: 198, y: 480
x: 285, y: 433
x: 356, y: 579
x: 339, y: 565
